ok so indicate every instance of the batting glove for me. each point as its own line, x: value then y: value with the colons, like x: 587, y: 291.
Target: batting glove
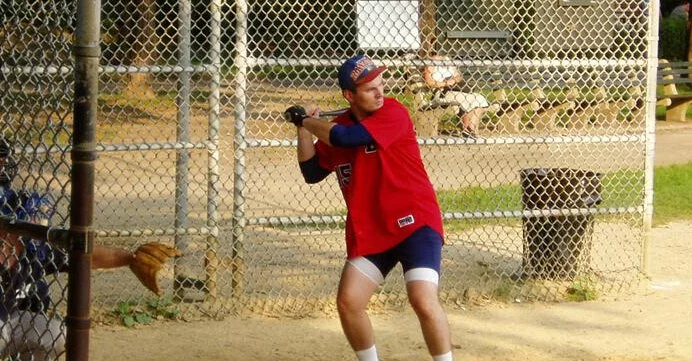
x: 295, y: 115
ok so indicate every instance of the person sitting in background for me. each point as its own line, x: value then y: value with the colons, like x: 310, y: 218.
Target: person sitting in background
x: 445, y: 82
x: 682, y: 10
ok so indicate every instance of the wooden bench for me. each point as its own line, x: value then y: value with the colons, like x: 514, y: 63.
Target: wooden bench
x: 602, y: 111
x: 669, y: 75
x: 508, y: 112
x: 575, y: 101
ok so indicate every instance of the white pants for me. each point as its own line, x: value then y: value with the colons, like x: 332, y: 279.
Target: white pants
x: 32, y: 336
x: 467, y: 101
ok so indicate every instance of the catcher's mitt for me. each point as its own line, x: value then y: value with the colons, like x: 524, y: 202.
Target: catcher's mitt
x: 148, y: 260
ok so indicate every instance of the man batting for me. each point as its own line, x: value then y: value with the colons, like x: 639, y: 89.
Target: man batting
x: 393, y: 213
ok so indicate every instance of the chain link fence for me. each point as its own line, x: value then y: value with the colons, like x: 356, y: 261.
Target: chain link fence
x: 540, y: 154
x: 36, y: 84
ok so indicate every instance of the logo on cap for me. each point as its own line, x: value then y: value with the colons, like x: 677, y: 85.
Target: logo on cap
x: 356, y: 70
x: 363, y: 66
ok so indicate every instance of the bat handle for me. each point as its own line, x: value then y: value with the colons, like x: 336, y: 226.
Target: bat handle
x: 333, y: 113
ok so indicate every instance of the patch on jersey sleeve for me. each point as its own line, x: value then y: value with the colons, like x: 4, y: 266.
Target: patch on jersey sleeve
x: 406, y: 221
x: 343, y: 174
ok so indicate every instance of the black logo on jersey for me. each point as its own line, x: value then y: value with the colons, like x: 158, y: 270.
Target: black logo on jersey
x: 370, y: 148
x: 343, y: 174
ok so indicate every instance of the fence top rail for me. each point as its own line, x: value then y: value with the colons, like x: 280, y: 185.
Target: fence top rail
x: 489, y: 214
x: 41, y: 149
x: 128, y: 69
x: 458, y: 62
x: 615, y: 138
x: 110, y: 69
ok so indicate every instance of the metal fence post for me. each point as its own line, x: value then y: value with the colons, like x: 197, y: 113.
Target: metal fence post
x: 182, y: 136
x: 213, y: 184
x: 86, y: 51
x: 240, y: 142
x: 652, y: 64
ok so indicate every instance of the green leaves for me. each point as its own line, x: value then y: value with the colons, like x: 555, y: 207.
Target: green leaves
x: 583, y: 289
x: 132, y: 313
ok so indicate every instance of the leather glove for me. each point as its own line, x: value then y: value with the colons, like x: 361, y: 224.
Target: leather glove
x: 148, y: 260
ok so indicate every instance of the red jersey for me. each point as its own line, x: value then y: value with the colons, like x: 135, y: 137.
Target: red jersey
x: 386, y: 188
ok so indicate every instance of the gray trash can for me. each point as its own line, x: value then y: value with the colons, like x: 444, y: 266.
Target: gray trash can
x: 558, y: 247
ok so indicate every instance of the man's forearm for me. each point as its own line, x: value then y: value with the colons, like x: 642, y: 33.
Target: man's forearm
x: 109, y: 257
x: 319, y: 128
x: 306, y: 145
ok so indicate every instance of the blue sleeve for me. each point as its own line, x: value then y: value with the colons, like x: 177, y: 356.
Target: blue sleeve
x: 51, y: 259
x: 312, y: 171
x: 349, y: 137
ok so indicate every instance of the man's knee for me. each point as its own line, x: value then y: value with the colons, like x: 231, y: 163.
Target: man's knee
x: 423, y: 298
x: 349, y: 302
x: 425, y: 306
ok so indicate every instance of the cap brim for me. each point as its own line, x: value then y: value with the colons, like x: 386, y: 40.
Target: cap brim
x: 371, y: 75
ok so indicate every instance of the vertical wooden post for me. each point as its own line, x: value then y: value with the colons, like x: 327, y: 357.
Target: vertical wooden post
x: 428, y: 28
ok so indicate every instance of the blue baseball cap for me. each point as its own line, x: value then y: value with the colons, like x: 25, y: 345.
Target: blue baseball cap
x: 358, y: 70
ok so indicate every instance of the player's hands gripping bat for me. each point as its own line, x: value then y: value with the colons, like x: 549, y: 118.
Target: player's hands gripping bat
x: 148, y: 259
x: 295, y: 114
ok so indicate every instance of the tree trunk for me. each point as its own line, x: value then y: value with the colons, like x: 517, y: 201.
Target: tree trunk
x: 428, y: 28
x: 143, y: 48
x: 425, y: 124
x: 689, y: 36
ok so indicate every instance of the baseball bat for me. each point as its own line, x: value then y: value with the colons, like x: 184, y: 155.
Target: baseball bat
x: 329, y: 113
x: 333, y: 113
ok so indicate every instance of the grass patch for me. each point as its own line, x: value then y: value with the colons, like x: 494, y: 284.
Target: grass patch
x: 672, y: 193
x: 408, y: 100
x: 506, y: 196
x: 479, y: 199
x: 682, y: 89
x: 619, y: 189
x: 462, y: 225
x: 503, y: 291
x: 624, y: 188
x: 583, y: 289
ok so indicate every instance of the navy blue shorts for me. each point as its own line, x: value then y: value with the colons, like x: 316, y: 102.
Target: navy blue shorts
x: 420, y: 255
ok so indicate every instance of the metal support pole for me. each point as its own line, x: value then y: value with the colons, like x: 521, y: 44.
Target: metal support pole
x: 652, y: 65
x: 182, y: 135
x: 86, y: 52
x: 211, y: 257
x: 239, y: 144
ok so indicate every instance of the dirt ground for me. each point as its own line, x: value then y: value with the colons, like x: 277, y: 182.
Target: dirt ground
x: 653, y: 324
